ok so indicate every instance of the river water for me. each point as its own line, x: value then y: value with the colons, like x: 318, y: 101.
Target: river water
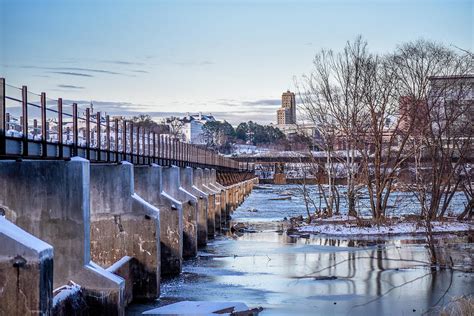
x: 318, y: 275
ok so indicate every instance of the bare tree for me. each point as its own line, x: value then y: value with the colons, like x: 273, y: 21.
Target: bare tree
x: 439, y: 83
x: 176, y: 126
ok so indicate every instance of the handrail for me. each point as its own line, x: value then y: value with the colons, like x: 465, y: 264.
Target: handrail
x: 103, y: 139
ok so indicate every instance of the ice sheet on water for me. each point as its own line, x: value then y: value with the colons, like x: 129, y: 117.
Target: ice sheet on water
x: 399, y: 204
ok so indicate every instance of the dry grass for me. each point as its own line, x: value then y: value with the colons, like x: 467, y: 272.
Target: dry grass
x: 459, y: 306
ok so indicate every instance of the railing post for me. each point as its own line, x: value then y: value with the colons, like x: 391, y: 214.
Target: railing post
x: 88, y: 133
x: 138, y: 144
x: 143, y: 145
x: 154, y: 147
x: 181, y: 154
x: 98, y: 134
x: 60, y: 128
x: 186, y: 149
x: 107, y: 136
x: 131, y: 142
x: 44, y: 152
x: 124, y: 141
x: 116, y: 143
x: 3, y: 118
x: 75, y: 130
x: 150, y: 147
x: 24, y: 122
x: 160, y: 161
x: 167, y: 150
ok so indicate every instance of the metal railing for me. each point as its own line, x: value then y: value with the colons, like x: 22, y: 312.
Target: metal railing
x: 35, y: 127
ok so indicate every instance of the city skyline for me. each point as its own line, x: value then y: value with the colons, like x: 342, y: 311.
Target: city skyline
x: 168, y: 58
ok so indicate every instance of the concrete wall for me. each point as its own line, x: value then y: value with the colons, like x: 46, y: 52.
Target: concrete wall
x: 123, y: 224
x: 188, y: 183
x: 207, y: 183
x: 223, y: 198
x: 198, y: 181
x: 172, y: 186
x: 50, y: 200
x: 149, y: 185
x: 26, y: 272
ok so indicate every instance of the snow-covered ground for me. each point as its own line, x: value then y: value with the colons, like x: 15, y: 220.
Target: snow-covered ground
x: 347, y: 229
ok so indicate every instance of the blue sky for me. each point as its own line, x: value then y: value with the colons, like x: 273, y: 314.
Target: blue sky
x: 229, y: 58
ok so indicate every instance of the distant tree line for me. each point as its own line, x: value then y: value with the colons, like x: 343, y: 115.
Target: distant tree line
x: 221, y: 135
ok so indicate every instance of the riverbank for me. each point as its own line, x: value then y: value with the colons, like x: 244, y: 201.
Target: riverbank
x: 339, y: 227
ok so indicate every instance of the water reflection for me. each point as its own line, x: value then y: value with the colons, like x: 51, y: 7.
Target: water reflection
x: 288, y: 275
x: 326, y: 276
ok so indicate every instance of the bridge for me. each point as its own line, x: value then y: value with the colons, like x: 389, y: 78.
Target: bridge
x: 274, y: 167
x: 112, y: 205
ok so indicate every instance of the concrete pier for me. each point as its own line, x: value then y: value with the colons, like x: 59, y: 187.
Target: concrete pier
x: 172, y: 186
x: 198, y: 180
x: 149, y: 184
x: 214, y: 212
x: 26, y: 272
x: 123, y: 224
x: 188, y: 183
x: 50, y: 200
x: 223, y: 198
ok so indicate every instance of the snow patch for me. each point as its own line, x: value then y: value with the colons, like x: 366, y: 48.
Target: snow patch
x: 348, y: 229
x: 64, y: 292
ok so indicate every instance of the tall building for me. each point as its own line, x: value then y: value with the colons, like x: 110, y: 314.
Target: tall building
x: 287, y: 113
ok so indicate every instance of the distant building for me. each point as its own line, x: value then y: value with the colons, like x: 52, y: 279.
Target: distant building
x: 189, y: 128
x: 287, y: 113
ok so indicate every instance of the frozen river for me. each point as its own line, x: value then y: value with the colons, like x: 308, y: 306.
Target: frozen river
x: 317, y: 275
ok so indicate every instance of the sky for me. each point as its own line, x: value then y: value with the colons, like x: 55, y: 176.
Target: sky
x: 230, y: 58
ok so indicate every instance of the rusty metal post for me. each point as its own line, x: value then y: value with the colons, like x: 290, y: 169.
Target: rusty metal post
x: 131, y: 141
x: 186, y: 150
x: 154, y: 147
x: 124, y: 141
x: 143, y: 144
x: 88, y: 133
x: 60, y: 128
x: 138, y: 144
x: 44, y: 151
x: 150, y: 147
x: 24, y: 121
x: 180, y: 153
x: 98, y: 127
x: 116, y: 143
x: 107, y: 137
x: 159, y: 149
x: 75, y: 129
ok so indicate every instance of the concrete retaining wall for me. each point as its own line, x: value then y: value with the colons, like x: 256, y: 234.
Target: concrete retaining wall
x: 188, y: 183
x: 207, y: 183
x: 223, y: 198
x: 26, y: 272
x: 149, y: 185
x: 50, y: 200
x: 123, y: 224
x: 172, y: 186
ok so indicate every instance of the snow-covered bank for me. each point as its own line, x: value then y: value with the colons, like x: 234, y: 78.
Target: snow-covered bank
x: 350, y: 229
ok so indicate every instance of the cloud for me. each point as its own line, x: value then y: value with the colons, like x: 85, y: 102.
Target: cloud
x: 73, y: 69
x: 122, y: 62
x: 69, y: 86
x: 264, y: 102
x: 140, y: 71
x: 68, y: 73
x: 194, y: 63
x: 92, y: 70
